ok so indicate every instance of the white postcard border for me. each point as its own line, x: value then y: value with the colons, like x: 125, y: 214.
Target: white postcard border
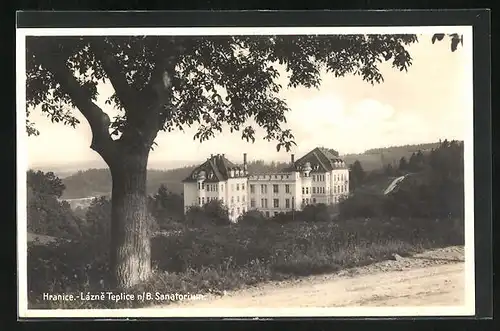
x: 22, y: 166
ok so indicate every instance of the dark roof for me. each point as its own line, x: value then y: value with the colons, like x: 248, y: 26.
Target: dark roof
x: 216, y: 169
x: 321, y: 160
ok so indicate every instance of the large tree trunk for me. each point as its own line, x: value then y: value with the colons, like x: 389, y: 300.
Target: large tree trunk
x: 130, y: 226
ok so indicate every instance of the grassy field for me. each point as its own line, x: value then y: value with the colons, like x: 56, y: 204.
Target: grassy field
x: 213, y: 259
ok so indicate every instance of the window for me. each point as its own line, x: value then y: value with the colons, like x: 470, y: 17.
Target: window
x: 276, y: 203
x: 208, y: 188
x: 199, y: 200
x: 314, y: 190
x: 243, y: 186
x: 314, y: 178
x: 275, y: 188
x: 238, y: 198
x: 345, y: 188
x: 202, y: 201
x: 275, y: 213
x: 303, y: 201
x: 287, y: 188
x: 307, y: 190
x: 307, y: 201
x: 335, y: 189
x: 199, y: 186
x: 222, y: 187
x: 232, y: 200
x: 243, y: 198
x: 314, y: 200
x: 263, y: 189
x: 303, y: 190
x: 267, y: 214
x: 203, y: 185
x: 287, y: 203
x: 237, y: 187
x: 252, y: 203
x: 252, y: 188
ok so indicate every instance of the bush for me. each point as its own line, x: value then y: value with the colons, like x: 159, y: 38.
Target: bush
x: 211, y: 213
x: 362, y: 204
x: 167, y: 208
x: 252, y: 218
x: 316, y: 213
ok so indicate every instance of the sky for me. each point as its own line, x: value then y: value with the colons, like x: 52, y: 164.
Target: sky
x: 429, y: 102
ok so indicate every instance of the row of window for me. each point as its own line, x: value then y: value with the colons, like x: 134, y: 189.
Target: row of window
x: 201, y: 201
x: 289, y: 203
x: 210, y: 187
x: 318, y: 178
x: 215, y: 187
x: 263, y: 188
x: 340, y: 177
x: 336, y: 177
x: 238, y: 187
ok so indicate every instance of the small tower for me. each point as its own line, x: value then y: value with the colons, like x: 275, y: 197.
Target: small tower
x: 306, y: 170
x: 201, y: 176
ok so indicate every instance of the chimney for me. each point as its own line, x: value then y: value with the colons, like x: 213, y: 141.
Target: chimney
x: 292, y: 158
x: 244, y: 159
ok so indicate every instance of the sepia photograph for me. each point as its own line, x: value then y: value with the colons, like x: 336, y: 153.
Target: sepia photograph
x: 183, y: 172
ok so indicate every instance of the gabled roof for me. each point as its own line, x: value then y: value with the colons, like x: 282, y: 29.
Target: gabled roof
x: 321, y: 160
x: 216, y: 169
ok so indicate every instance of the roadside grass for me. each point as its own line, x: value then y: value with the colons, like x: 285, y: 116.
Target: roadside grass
x: 213, y: 259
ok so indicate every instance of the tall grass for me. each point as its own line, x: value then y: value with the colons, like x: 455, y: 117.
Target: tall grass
x: 217, y: 258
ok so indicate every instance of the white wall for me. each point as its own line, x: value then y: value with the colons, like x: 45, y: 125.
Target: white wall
x: 190, y: 194
x: 237, y: 196
x: 268, y: 181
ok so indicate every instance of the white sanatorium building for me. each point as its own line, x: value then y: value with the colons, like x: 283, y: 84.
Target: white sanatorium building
x: 320, y: 176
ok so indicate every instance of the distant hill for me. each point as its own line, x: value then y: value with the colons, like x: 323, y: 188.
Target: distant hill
x: 377, y: 158
x: 96, y: 182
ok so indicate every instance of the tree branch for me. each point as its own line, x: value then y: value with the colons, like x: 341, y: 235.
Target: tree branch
x: 125, y: 93
x: 98, y: 120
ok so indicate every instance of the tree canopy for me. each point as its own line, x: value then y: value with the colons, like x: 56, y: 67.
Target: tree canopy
x: 212, y: 80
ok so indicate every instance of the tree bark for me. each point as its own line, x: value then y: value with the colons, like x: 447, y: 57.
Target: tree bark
x: 130, y: 226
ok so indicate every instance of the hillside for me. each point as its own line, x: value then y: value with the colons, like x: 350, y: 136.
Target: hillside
x: 377, y: 158
x: 95, y: 182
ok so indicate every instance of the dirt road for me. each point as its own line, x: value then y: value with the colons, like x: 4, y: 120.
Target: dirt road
x: 432, y: 278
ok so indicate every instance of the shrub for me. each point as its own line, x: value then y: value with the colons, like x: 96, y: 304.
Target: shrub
x: 166, y: 207
x: 211, y: 213
x: 362, y: 204
x: 253, y: 218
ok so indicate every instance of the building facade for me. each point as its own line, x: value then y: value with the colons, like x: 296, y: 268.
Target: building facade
x: 320, y: 176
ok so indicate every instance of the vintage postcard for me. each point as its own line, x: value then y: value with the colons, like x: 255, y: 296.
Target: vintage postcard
x: 279, y: 171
